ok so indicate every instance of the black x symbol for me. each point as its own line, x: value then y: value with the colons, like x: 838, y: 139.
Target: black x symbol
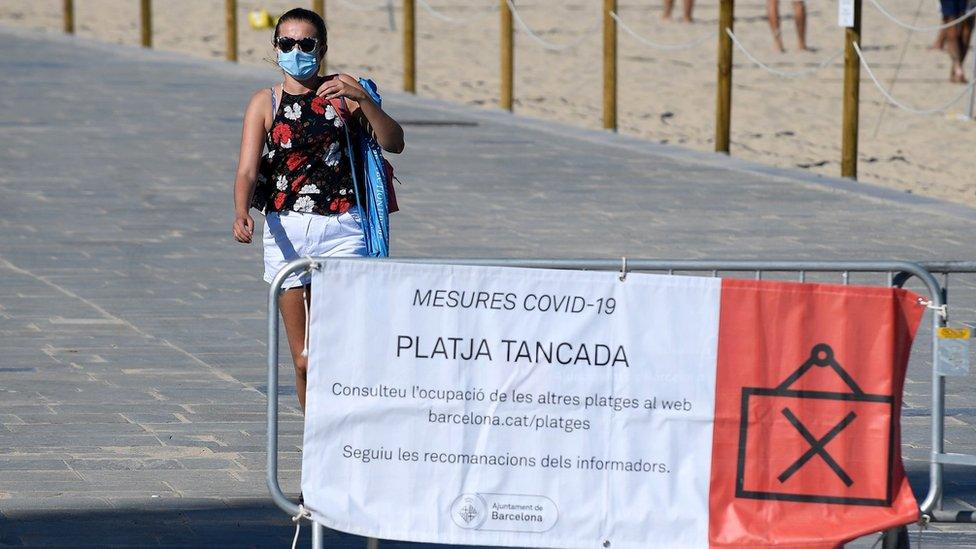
x: 817, y: 447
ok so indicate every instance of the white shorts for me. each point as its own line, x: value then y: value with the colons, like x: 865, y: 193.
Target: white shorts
x: 291, y: 235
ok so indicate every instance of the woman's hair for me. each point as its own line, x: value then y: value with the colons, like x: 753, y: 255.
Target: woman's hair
x: 308, y: 16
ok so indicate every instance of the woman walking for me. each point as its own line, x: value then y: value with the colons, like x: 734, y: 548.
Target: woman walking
x: 311, y: 206
x: 800, y: 17
x: 688, y: 6
x: 955, y: 38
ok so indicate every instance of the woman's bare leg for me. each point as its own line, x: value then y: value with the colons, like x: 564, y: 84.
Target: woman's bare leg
x: 966, y: 36
x: 800, y: 14
x: 668, y: 8
x: 689, y: 5
x: 292, y: 307
x: 772, y: 13
x: 954, y: 47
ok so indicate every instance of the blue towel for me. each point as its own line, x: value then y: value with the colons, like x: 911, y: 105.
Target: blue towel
x: 374, y: 206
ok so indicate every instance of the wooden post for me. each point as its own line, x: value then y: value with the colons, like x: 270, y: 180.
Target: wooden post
x: 230, y: 6
x: 508, y: 58
x: 145, y: 13
x: 69, y: 16
x: 609, y: 65
x: 318, y: 6
x: 852, y: 92
x: 409, y: 46
x: 723, y: 110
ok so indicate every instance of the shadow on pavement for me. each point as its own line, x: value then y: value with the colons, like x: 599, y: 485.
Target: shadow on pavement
x: 247, y: 524
x: 258, y: 523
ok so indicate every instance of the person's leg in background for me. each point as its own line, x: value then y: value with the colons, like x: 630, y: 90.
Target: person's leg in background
x: 953, y: 47
x: 940, y: 39
x: 772, y: 13
x: 668, y: 8
x: 800, y: 14
x: 966, y: 31
x: 952, y: 9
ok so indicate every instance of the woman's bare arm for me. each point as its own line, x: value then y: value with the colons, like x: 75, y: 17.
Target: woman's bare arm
x: 255, y: 128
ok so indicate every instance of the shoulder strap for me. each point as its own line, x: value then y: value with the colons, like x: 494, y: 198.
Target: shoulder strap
x: 341, y: 108
x: 355, y: 184
x: 275, y: 103
x: 274, y: 99
x: 274, y: 109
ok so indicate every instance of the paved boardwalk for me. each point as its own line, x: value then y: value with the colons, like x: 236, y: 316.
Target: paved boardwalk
x: 132, y: 326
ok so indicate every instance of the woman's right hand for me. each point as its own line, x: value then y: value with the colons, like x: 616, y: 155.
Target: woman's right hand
x: 243, y: 228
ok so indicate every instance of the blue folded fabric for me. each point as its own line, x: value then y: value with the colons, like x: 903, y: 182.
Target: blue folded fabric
x: 374, y: 206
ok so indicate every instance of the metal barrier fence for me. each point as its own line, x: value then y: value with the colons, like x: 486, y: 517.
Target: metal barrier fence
x: 896, y: 273
x: 931, y: 506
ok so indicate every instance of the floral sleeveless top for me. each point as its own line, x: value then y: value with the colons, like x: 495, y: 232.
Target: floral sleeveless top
x: 309, y: 165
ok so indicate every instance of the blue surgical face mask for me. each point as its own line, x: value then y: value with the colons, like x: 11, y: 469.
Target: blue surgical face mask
x: 299, y: 64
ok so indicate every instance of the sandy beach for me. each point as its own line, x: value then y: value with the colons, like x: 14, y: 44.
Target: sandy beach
x: 665, y: 96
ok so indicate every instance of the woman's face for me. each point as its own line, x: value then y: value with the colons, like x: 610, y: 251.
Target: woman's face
x: 298, y: 30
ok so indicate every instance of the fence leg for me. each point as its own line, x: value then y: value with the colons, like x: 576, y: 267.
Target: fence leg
x: 723, y: 111
x: 409, y: 47
x: 318, y: 536
x: 69, y: 16
x: 852, y: 80
x: 972, y: 93
x: 318, y: 6
x: 508, y: 57
x: 145, y: 15
x: 230, y: 7
x: 609, y: 66
x: 895, y: 538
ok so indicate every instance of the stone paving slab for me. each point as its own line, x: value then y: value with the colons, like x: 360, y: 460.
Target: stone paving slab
x: 132, y: 376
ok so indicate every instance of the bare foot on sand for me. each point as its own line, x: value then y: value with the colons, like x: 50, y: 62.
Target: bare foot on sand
x: 957, y: 76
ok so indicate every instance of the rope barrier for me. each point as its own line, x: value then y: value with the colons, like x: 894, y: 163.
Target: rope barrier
x: 913, y: 28
x: 448, y: 19
x: 784, y: 74
x: 901, y: 59
x: 303, y: 513
x: 899, y: 104
x: 667, y: 47
x: 545, y: 44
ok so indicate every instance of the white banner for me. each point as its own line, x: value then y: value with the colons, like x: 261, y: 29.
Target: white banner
x: 521, y: 407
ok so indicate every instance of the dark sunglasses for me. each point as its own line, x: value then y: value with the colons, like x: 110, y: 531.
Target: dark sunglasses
x: 307, y: 45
